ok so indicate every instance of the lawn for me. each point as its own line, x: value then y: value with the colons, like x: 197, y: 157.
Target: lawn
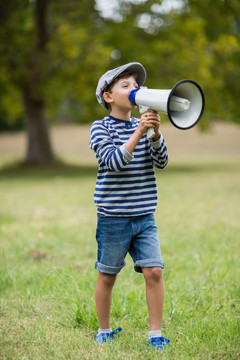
x: 48, y: 251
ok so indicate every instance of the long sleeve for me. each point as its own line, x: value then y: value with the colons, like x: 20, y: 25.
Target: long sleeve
x: 115, y: 158
x: 159, y: 153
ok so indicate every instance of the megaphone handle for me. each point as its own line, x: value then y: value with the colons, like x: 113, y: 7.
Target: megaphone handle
x: 150, y: 131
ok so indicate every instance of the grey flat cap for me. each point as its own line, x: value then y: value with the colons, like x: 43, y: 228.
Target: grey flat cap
x: 107, y: 78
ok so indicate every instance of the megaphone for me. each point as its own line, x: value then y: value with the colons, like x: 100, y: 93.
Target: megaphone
x: 184, y: 103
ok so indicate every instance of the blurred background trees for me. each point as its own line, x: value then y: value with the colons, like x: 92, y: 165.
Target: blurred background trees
x: 52, y: 53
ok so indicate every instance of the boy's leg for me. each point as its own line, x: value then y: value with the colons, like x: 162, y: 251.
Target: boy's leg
x: 155, y: 295
x: 103, y: 297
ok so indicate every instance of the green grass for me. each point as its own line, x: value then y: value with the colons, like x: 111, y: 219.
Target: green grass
x: 47, y: 275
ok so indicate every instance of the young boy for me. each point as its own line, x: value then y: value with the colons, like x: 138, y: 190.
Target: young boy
x: 126, y: 197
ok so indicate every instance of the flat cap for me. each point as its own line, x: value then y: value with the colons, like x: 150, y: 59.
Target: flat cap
x: 107, y: 78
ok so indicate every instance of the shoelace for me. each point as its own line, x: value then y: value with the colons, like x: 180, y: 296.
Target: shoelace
x: 114, y: 332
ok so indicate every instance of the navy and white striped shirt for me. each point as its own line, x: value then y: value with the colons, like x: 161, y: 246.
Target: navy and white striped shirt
x: 126, y: 183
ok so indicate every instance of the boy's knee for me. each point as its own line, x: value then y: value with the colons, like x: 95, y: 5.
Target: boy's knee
x: 153, y: 274
x: 107, y: 279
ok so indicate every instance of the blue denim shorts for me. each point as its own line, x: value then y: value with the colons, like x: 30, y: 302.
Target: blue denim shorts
x: 117, y: 236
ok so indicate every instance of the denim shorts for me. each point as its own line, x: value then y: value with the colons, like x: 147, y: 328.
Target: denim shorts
x: 117, y: 236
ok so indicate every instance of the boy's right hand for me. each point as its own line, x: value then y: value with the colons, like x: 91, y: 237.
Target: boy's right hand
x: 149, y: 119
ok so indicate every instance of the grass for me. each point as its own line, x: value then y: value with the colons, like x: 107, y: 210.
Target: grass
x: 47, y: 275
x: 48, y: 251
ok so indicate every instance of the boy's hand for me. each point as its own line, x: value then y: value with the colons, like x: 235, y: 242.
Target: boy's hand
x: 150, y: 119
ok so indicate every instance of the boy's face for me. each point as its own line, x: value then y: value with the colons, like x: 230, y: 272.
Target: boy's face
x: 118, y: 97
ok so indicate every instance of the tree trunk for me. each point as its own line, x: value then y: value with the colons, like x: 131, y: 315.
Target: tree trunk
x: 39, y: 149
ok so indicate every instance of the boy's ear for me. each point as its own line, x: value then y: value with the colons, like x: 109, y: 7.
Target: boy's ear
x: 107, y: 96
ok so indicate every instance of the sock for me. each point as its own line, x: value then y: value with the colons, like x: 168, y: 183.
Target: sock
x: 156, y: 333
x: 104, y: 331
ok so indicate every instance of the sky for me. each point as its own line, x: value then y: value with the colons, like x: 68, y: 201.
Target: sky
x: 109, y: 9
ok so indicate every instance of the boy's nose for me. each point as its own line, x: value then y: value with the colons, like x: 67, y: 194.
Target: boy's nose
x: 132, y: 88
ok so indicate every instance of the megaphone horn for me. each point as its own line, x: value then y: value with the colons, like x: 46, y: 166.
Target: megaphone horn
x: 184, y: 103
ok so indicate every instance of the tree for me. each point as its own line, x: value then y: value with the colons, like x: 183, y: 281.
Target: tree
x: 45, y: 42
x: 221, y: 20
x: 199, y: 40
x: 25, y: 54
x: 52, y: 53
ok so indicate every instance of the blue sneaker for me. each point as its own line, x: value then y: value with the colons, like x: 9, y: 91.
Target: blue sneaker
x: 108, y: 337
x: 158, y: 342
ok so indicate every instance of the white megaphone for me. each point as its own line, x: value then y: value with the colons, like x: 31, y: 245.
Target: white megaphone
x: 184, y: 103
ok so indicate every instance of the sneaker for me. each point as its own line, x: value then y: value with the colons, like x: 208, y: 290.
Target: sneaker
x: 108, y: 337
x: 158, y: 342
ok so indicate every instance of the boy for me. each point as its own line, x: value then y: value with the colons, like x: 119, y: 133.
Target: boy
x: 126, y: 197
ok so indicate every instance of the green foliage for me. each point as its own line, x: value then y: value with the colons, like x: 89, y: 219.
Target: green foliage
x: 199, y: 41
x: 221, y: 26
x: 11, y: 112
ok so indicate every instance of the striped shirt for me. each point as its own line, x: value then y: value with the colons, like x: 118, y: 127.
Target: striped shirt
x: 126, y: 183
